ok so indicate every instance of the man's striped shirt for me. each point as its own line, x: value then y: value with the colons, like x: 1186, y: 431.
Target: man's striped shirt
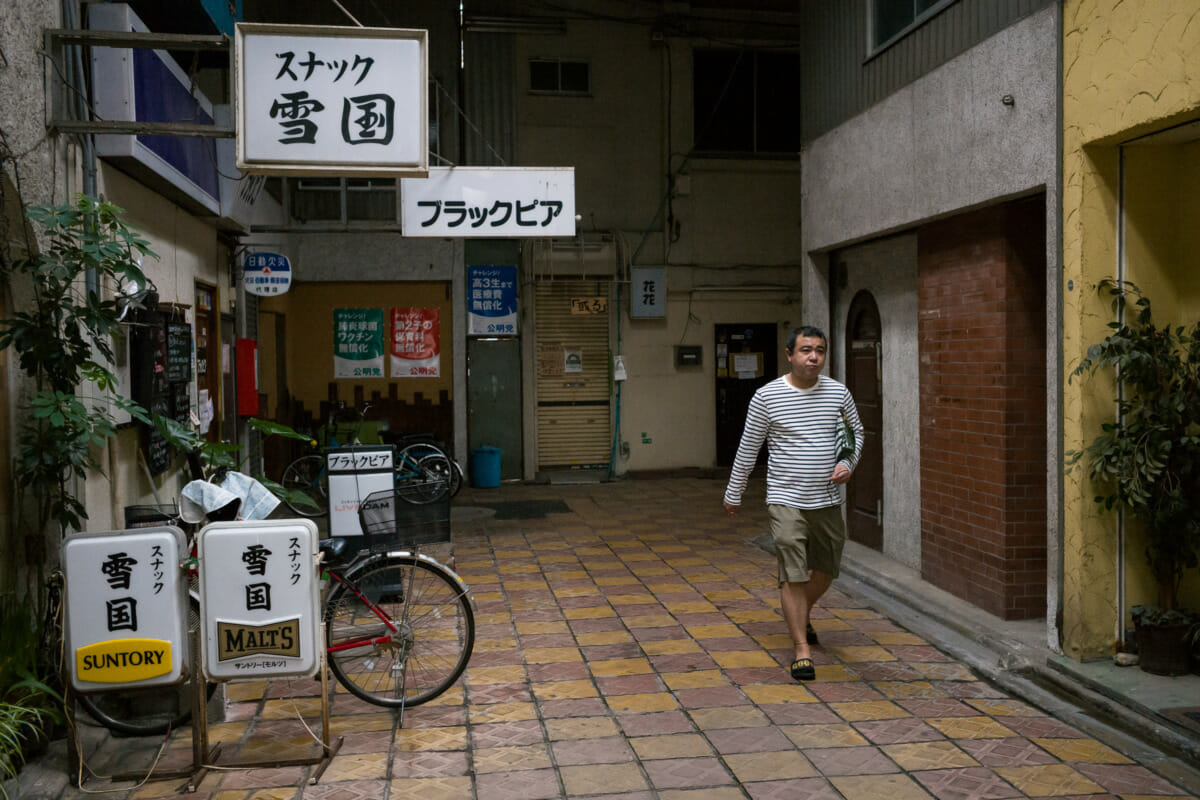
x: 800, y: 427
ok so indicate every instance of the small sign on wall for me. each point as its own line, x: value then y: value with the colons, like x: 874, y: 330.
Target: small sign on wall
x: 648, y: 293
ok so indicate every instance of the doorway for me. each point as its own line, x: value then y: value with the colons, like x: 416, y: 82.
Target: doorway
x: 494, y: 400
x: 747, y: 358
x: 864, y: 379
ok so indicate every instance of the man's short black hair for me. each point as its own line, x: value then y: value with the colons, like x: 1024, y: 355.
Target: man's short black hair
x: 805, y: 332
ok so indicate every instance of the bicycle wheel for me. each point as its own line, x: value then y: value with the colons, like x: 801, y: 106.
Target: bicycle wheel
x: 424, y: 474
x: 153, y: 711
x: 307, y: 475
x: 399, y: 630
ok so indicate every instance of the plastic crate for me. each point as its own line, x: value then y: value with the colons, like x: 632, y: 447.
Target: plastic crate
x: 391, y: 521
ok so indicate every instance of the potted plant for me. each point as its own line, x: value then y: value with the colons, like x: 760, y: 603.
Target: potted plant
x: 1147, y: 459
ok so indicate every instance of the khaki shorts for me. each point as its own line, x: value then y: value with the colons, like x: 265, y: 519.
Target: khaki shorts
x: 807, y: 539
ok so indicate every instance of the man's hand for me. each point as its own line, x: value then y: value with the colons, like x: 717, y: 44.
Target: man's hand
x: 730, y: 509
x: 841, y: 474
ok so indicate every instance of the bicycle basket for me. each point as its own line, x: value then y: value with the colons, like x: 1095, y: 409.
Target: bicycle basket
x: 389, y: 521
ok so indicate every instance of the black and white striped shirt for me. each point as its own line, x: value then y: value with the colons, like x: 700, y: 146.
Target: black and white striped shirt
x: 800, y: 428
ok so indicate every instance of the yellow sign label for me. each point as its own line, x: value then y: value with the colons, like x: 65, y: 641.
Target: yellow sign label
x: 123, y: 660
x: 235, y: 640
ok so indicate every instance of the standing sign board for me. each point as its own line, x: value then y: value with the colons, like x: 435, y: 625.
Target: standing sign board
x: 316, y: 100
x: 492, y: 301
x: 354, y: 473
x: 259, y: 599
x: 126, y: 608
x: 490, y: 202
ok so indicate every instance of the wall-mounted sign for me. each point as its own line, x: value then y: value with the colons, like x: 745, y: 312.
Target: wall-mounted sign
x: 416, y: 347
x: 266, y: 274
x: 315, y: 100
x: 258, y: 599
x: 648, y: 293
x: 589, y: 305
x: 492, y: 301
x: 490, y: 202
x: 126, y: 608
x: 358, y: 343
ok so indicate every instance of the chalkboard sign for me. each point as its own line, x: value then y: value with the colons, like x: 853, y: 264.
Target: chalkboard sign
x: 179, y: 352
x: 148, y: 373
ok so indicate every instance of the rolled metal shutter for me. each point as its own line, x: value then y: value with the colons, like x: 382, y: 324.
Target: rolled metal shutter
x: 574, y: 424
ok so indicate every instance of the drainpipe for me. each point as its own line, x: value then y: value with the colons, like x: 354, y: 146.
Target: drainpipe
x: 1121, y: 599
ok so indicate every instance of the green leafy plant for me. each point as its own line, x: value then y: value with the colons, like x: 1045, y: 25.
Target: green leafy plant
x: 1148, y: 458
x: 30, y: 703
x: 64, y: 340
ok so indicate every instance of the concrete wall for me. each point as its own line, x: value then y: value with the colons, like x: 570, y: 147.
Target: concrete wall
x: 1129, y: 69
x: 941, y: 145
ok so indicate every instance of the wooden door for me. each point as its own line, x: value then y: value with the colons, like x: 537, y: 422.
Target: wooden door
x: 864, y: 373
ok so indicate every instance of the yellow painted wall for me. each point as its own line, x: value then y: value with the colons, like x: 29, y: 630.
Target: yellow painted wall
x: 308, y: 309
x: 1129, y: 68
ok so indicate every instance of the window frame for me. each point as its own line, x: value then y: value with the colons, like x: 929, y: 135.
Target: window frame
x: 755, y: 152
x: 918, y: 20
x: 558, y: 62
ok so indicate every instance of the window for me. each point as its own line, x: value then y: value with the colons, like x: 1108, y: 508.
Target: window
x: 890, y: 19
x: 559, y: 77
x: 746, y: 102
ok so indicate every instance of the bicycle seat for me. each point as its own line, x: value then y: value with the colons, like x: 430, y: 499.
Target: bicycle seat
x: 399, y: 438
x: 333, y: 549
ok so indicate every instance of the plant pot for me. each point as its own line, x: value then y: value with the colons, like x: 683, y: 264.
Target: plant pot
x: 1164, y: 649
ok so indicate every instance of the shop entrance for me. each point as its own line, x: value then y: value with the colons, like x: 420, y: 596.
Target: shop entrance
x: 747, y: 358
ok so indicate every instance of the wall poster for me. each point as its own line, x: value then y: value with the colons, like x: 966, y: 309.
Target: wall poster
x: 416, y: 348
x: 358, y: 343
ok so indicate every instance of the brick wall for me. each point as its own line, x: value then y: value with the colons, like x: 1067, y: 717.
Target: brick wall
x: 982, y: 348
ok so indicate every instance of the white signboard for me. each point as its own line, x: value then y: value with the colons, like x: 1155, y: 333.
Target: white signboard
x: 259, y: 599
x: 315, y: 100
x: 490, y: 202
x: 354, y: 473
x: 266, y: 274
x: 126, y: 608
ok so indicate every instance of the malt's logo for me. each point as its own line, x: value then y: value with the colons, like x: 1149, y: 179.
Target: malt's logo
x: 123, y: 660
x: 236, y: 640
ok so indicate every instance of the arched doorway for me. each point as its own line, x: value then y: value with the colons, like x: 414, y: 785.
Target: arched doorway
x: 864, y: 379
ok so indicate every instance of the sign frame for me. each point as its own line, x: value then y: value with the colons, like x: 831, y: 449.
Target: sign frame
x: 484, y: 202
x: 416, y: 166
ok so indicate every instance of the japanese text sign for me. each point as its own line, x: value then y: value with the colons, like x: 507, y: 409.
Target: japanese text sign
x: 266, y: 274
x: 354, y: 473
x: 358, y: 343
x: 259, y: 599
x: 490, y: 202
x: 416, y: 350
x: 315, y: 100
x: 492, y: 301
x: 126, y: 607
x: 648, y: 293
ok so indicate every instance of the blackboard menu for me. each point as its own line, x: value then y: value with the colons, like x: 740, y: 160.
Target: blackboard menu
x: 179, y: 352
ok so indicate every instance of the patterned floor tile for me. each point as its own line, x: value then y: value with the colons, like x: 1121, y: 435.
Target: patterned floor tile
x: 761, y: 694
x: 506, y: 734
x: 799, y: 789
x: 769, y: 766
x: 940, y: 754
x: 581, y: 728
x: 539, y: 784
x: 969, y: 783
x: 823, y: 735
x: 677, y: 773
x: 499, y: 693
x: 431, y: 764
x: 671, y: 647
x: 653, y: 724
x: 608, y: 750
x: 630, y: 684
x: 552, y: 655
x: 583, y: 707
x: 885, y: 671
x: 897, y: 731
x: 1013, y: 752
x: 1034, y: 727
x: 970, y: 727
x: 501, y: 712
x: 736, y: 659
x: 601, y: 778
x: 559, y: 690
x: 938, y: 707
x: 852, y: 654
x: 620, y: 666
x: 871, y: 709
x: 800, y: 714
x: 865, y: 760
x: 1088, y: 751
x: 873, y: 787
x: 642, y: 703
x: 409, y: 739
x: 1048, y: 781
x: 733, y: 717
x: 936, y: 670
x: 455, y: 788
x: 1003, y: 708
x: 748, y: 740
x: 680, y: 745
x: 357, y: 767
x: 845, y: 691
x: 350, y: 790
x: 509, y: 759
x: 695, y: 679
x: 1128, y: 780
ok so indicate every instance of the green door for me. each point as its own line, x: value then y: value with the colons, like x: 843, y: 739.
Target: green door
x: 494, y: 400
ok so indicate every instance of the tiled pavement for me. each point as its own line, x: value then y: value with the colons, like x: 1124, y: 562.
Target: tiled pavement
x: 633, y: 648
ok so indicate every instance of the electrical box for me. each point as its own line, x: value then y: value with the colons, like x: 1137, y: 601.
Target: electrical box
x: 688, y: 355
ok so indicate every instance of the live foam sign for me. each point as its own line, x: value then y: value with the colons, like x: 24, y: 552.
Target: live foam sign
x: 123, y: 660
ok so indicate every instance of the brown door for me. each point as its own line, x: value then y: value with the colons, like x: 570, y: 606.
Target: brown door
x: 864, y: 366
x: 746, y: 358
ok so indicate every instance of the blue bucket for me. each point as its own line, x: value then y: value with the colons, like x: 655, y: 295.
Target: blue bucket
x: 485, y: 467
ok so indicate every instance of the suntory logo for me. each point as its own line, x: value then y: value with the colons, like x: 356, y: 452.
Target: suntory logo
x: 123, y: 660
x: 235, y: 640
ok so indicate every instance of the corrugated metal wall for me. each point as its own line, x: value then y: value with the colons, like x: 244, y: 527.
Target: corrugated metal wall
x: 837, y: 79
x: 490, y: 102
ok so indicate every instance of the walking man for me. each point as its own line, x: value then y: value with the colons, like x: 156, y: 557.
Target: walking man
x: 804, y: 417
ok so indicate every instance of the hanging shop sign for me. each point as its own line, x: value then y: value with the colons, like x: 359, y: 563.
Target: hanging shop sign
x: 358, y: 343
x: 258, y: 599
x: 126, y: 608
x: 316, y: 100
x: 648, y: 293
x: 492, y: 301
x: 490, y: 202
x: 416, y: 349
x: 266, y: 274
